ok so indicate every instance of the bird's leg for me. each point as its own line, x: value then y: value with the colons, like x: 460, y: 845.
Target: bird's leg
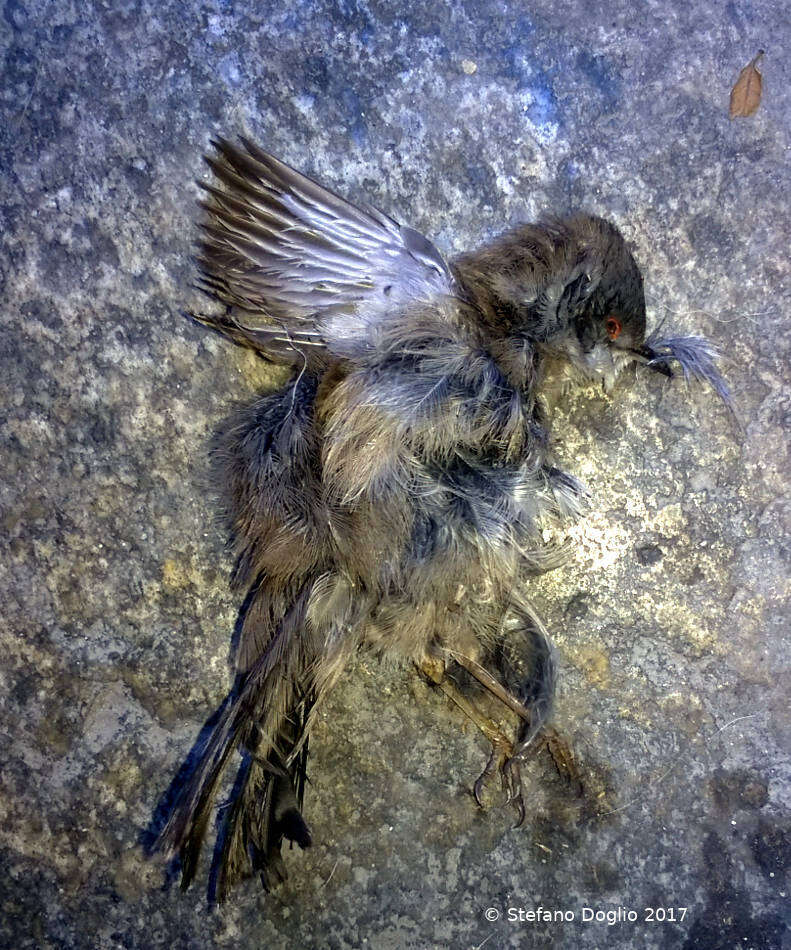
x: 558, y: 747
x: 502, y: 747
x: 495, y: 687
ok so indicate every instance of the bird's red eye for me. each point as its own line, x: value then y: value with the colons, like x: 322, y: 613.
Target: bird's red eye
x: 614, y: 327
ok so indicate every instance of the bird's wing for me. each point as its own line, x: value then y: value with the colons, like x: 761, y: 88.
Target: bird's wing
x: 303, y: 269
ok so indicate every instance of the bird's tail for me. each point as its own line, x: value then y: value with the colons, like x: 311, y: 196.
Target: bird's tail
x: 265, y: 807
x: 267, y: 717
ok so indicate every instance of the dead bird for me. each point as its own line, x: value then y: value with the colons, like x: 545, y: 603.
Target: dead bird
x: 391, y: 496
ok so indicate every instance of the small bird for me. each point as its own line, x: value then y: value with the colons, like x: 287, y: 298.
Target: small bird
x: 391, y: 496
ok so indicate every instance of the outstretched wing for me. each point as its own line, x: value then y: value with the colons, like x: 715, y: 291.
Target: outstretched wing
x: 300, y: 267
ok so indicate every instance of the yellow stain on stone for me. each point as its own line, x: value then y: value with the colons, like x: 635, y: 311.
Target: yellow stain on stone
x: 259, y: 375
x: 592, y: 661
x: 750, y: 608
x: 635, y: 709
x: 175, y: 575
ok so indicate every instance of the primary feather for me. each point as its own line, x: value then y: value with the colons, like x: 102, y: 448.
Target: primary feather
x: 306, y: 268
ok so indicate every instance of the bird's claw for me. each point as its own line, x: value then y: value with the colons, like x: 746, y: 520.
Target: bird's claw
x: 512, y: 776
x: 503, y: 760
x: 483, y: 779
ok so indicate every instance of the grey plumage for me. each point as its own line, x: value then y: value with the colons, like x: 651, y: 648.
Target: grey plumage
x: 697, y: 358
x: 392, y: 495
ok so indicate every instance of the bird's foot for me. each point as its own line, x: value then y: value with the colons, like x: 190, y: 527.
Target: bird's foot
x: 511, y: 772
x: 502, y: 752
x: 508, y: 765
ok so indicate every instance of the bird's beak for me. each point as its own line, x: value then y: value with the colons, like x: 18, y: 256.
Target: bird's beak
x: 653, y: 360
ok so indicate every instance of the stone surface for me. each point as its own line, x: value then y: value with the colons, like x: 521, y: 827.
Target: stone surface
x: 671, y: 619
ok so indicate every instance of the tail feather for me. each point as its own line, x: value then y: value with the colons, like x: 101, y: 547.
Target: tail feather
x: 185, y: 831
x: 264, y: 715
x: 263, y: 811
x: 264, y: 806
x: 267, y: 716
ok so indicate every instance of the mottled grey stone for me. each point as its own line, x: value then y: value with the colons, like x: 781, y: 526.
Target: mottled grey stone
x: 671, y: 618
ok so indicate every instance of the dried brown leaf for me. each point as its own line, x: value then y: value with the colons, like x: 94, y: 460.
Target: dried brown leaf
x: 746, y: 94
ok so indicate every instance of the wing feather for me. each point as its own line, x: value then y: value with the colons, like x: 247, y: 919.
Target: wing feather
x: 306, y: 268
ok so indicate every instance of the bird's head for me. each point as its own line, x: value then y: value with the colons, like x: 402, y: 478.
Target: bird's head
x: 594, y: 314
x: 573, y: 289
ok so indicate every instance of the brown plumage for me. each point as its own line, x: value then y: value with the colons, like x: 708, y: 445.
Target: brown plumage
x: 391, y: 495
